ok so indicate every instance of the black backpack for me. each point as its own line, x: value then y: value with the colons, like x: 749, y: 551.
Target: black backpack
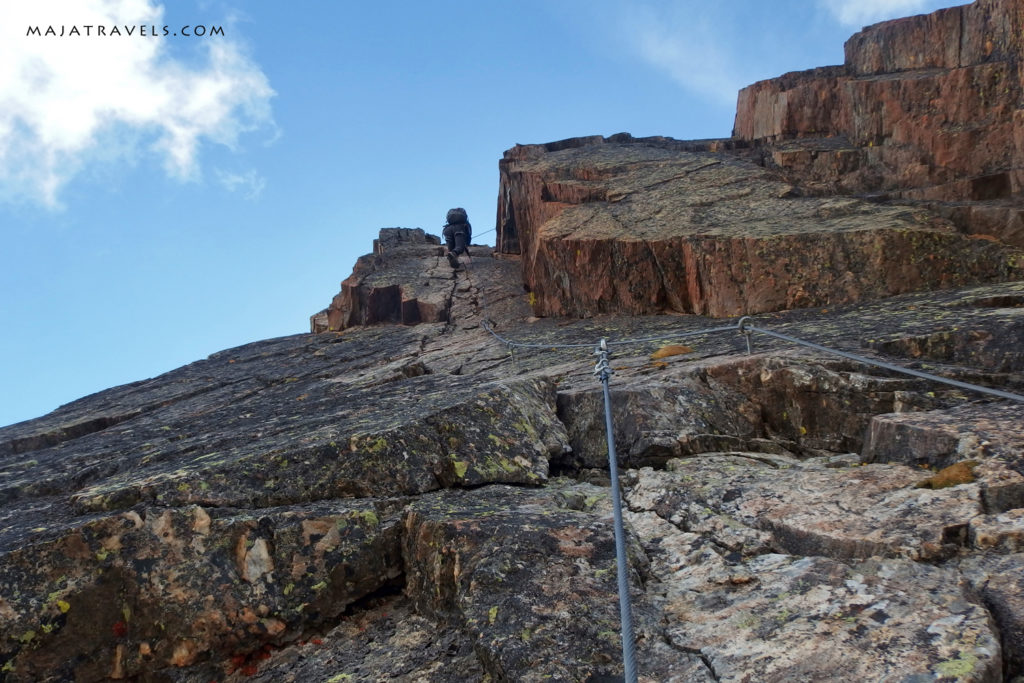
x: 458, y: 215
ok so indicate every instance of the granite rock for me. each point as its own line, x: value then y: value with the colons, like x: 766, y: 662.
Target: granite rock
x: 417, y: 491
x: 641, y: 226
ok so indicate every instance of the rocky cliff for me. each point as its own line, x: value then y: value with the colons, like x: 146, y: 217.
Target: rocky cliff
x: 403, y: 496
x: 926, y: 108
x: 644, y: 226
x: 899, y: 170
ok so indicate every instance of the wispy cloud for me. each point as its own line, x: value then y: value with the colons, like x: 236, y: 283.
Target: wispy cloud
x: 63, y: 98
x: 858, y: 13
x: 249, y: 184
x: 695, y: 57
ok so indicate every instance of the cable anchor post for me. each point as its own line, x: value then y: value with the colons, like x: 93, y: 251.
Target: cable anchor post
x: 603, y: 371
x: 744, y: 327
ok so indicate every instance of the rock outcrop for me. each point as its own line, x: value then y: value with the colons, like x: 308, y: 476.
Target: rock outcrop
x: 930, y: 108
x: 647, y: 226
x: 413, y: 503
x: 415, y: 288
x: 898, y: 171
x: 403, y: 495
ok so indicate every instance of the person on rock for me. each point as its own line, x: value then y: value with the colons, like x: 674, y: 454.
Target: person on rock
x: 457, y: 233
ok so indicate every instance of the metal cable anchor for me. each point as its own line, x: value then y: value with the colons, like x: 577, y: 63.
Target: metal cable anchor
x: 602, y: 369
x: 743, y: 325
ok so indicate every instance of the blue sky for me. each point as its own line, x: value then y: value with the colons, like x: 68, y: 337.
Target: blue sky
x: 165, y: 197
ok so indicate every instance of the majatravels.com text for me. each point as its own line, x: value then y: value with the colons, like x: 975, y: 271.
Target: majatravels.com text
x: 90, y: 30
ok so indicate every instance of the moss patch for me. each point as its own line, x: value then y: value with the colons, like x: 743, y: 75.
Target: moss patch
x: 958, y: 473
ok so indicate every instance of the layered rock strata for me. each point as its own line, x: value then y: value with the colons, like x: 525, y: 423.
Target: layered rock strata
x: 641, y: 226
x: 927, y: 108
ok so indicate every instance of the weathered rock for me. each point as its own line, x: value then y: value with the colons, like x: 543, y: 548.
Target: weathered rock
x: 75, y: 482
x: 378, y: 503
x: 994, y: 347
x: 859, y: 512
x: 1003, y: 532
x: 122, y: 510
x: 644, y: 226
x: 384, y: 641
x: 1000, y: 582
x: 774, y: 403
x: 523, y: 573
x: 941, y: 438
x: 167, y: 587
x: 404, y: 280
x: 233, y: 446
x: 809, y: 617
x: 656, y: 421
x: 927, y: 107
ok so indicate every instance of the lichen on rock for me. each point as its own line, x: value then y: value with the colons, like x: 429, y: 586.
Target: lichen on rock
x: 405, y: 495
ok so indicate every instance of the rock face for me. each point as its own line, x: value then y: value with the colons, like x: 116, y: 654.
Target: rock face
x: 402, y: 281
x: 898, y: 171
x: 399, y: 502
x: 418, y: 491
x: 647, y: 226
x: 928, y: 107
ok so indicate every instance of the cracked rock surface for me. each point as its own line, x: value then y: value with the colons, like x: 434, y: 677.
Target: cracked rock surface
x: 416, y: 503
x: 418, y: 490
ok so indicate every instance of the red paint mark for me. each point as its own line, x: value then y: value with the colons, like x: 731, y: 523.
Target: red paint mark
x: 120, y: 629
x: 316, y: 641
x: 250, y: 670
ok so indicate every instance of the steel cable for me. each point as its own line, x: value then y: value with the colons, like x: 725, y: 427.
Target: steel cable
x: 603, y: 371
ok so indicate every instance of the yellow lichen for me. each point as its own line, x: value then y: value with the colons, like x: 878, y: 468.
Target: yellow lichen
x: 369, y: 517
x: 959, y: 668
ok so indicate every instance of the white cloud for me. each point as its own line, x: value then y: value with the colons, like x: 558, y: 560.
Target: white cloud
x: 688, y: 48
x: 63, y: 98
x: 250, y: 184
x: 858, y: 13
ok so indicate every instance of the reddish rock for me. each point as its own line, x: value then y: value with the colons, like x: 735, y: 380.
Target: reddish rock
x: 386, y: 503
x: 652, y: 225
x: 403, y: 281
x: 925, y: 110
x: 927, y: 107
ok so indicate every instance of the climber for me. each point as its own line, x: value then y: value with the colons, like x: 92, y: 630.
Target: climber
x: 457, y: 233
